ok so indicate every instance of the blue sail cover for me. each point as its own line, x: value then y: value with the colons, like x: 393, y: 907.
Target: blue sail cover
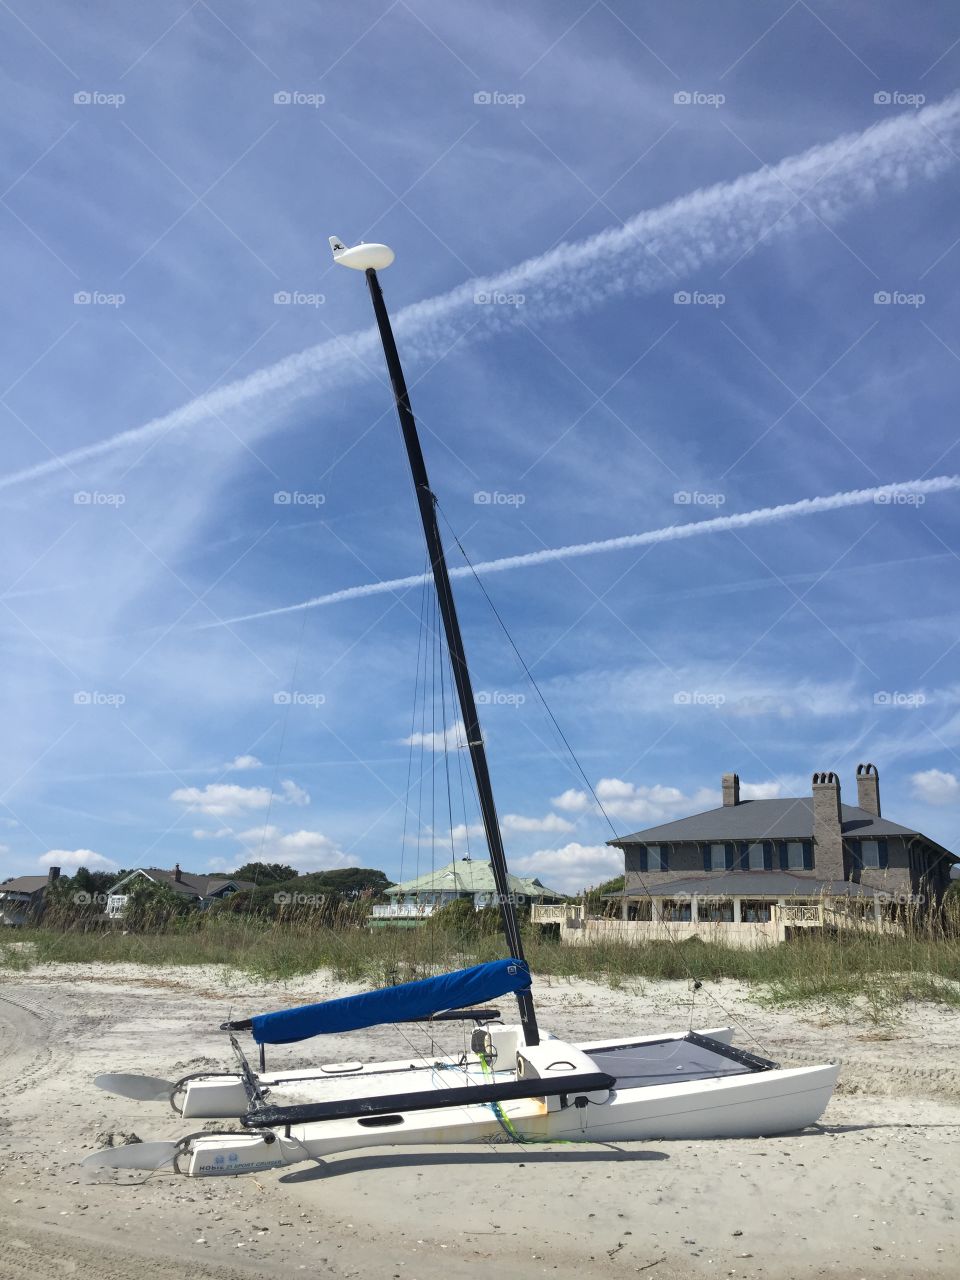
x: 408, y: 1001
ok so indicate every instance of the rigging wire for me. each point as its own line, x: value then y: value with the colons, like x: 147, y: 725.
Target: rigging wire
x: 413, y: 720
x: 696, y: 982
x: 284, y: 724
x: 458, y: 924
x: 417, y: 686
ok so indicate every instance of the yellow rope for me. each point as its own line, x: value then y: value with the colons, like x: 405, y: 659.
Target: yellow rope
x: 510, y: 1128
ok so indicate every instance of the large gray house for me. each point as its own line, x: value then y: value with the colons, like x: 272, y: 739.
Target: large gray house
x: 754, y: 870
x: 803, y: 846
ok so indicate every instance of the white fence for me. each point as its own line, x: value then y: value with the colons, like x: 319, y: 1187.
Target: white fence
x: 403, y: 911
x: 588, y: 932
x: 556, y: 913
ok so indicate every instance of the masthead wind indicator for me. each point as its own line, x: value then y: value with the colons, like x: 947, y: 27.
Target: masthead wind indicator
x: 362, y: 257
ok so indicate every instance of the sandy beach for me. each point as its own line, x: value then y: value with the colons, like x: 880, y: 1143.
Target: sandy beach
x: 868, y: 1193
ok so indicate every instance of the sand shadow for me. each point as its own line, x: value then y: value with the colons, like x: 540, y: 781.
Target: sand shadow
x: 834, y: 1130
x: 395, y: 1160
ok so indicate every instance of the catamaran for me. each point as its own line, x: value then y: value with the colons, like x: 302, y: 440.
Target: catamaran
x: 513, y: 1081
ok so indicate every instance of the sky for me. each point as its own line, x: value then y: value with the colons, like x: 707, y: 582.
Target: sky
x: 675, y: 291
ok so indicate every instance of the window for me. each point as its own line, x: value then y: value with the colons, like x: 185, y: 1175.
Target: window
x: 755, y: 860
x: 642, y: 909
x: 870, y: 853
x: 656, y: 857
x: 718, y: 857
x: 754, y: 912
x: 678, y: 912
x: 719, y: 910
x: 794, y: 855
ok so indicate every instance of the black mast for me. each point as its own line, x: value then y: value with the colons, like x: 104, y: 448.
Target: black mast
x: 451, y: 627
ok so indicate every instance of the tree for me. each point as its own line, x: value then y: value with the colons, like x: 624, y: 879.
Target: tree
x: 261, y: 873
x: 94, y: 882
x: 352, y: 881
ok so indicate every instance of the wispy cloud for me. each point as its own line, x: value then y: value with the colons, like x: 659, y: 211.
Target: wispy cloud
x: 622, y: 799
x: 240, y: 763
x: 715, y: 224
x: 450, y: 739
x: 226, y: 799
x: 879, y: 494
x: 73, y: 858
x: 936, y: 786
x: 571, y: 867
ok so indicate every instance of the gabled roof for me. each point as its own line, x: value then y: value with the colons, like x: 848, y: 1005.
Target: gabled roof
x: 786, y: 819
x: 468, y: 876
x: 190, y: 885
x: 24, y: 884
x: 760, y: 884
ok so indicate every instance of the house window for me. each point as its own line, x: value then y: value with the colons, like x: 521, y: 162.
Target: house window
x: 656, y: 857
x: 754, y: 912
x: 755, y: 856
x: 677, y: 912
x: 718, y: 857
x: 870, y: 853
x: 794, y: 855
x: 719, y: 910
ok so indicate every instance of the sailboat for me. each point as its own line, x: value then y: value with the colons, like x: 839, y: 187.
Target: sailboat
x: 514, y: 1082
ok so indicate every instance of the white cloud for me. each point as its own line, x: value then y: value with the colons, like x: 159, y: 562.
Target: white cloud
x: 461, y: 830
x: 936, y: 786
x: 449, y: 740
x: 573, y: 867
x: 77, y: 858
x: 227, y: 800
x: 760, y: 790
x: 571, y: 801
x: 239, y: 763
x: 222, y: 799
x: 305, y: 850
x: 633, y: 803
x: 516, y: 823
x: 199, y: 833
x: 292, y: 794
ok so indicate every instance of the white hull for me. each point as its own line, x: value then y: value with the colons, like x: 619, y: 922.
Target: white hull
x: 754, y: 1103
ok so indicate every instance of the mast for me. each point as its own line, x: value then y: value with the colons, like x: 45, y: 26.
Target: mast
x: 367, y: 257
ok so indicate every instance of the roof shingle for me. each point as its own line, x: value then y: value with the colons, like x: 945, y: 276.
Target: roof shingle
x: 786, y: 819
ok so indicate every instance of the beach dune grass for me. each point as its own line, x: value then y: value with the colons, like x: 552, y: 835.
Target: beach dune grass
x: 879, y: 973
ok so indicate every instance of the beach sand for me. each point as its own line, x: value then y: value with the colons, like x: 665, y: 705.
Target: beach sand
x: 870, y: 1193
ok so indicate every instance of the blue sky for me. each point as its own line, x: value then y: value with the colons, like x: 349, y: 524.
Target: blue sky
x: 655, y: 265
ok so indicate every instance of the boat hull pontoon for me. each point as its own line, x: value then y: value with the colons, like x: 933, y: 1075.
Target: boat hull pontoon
x: 684, y: 1086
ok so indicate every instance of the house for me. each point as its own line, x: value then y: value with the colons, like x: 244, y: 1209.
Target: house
x: 414, y: 900
x: 200, y: 889
x: 756, y: 871
x: 21, y: 898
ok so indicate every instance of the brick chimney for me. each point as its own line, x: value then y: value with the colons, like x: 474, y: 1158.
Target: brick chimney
x: 731, y: 789
x: 868, y: 788
x: 53, y: 874
x: 177, y: 873
x: 827, y: 829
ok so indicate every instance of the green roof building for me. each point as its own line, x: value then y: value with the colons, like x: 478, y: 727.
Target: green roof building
x: 415, y: 900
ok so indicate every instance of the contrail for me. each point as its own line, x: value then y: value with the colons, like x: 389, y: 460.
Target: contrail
x: 658, y: 248
x: 903, y: 492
